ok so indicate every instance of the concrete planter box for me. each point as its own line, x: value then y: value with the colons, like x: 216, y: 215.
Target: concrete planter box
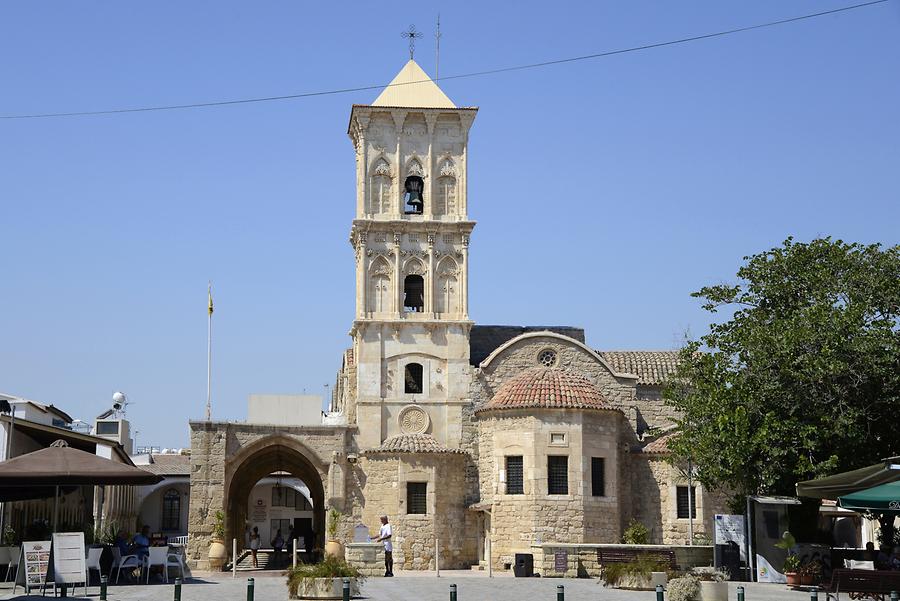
x: 326, y: 588
x: 713, y: 591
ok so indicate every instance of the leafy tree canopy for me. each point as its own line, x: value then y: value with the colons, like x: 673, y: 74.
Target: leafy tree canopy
x: 803, y: 379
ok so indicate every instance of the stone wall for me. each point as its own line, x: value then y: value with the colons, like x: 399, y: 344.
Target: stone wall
x: 384, y: 493
x: 581, y: 559
x: 654, y: 503
x: 368, y: 558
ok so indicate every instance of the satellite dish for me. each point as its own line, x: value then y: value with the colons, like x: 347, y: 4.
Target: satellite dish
x: 119, y: 400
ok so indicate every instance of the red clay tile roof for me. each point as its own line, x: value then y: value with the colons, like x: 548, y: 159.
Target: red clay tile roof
x: 546, y: 388
x: 660, y: 446
x: 651, y: 367
x: 413, y: 443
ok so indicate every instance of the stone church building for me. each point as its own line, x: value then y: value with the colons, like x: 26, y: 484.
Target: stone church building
x: 488, y: 439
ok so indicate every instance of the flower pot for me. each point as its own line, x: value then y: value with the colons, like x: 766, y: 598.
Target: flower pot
x: 793, y: 578
x: 334, y: 549
x: 713, y: 591
x: 326, y: 588
x: 217, y: 554
x: 806, y: 579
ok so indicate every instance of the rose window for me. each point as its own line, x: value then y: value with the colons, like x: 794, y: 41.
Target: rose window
x: 547, y: 358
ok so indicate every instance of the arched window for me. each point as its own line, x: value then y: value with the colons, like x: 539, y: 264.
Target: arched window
x: 380, y: 190
x: 171, y: 511
x: 447, y: 292
x: 445, y: 199
x: 414, y: 294
x: 413, y: 197
x: 380, y: 287
x: 412, y: 378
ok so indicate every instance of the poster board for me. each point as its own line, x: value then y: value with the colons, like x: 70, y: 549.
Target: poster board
x: 34, y: 562
x: 69, y: 563
x: 730, y: 528
x: 561, y: 561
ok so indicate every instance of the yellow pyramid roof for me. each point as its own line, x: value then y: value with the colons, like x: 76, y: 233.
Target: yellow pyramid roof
x: 413, y: 88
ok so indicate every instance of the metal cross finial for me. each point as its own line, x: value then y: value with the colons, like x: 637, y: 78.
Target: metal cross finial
x: 412, y: 34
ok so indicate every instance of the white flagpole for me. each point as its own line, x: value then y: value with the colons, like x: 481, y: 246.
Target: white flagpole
x: 209, y: 357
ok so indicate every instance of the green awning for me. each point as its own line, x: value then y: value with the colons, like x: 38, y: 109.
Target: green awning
x: 885, y: 497
x: 838, y: 485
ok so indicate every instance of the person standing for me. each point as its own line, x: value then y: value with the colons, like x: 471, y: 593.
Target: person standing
x: 385, y: 535
x: 254, y: 545
x: 277, y: 546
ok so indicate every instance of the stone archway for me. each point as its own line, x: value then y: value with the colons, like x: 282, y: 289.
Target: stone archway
x: 260, y: 459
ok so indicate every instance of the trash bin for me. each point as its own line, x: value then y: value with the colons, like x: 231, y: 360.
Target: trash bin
x: 524, y: 566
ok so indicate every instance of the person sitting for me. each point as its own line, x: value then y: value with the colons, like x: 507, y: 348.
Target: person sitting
x: 883, y: 559
x: 895, y: 559
x: 140, y: 544
x: 122, y: 543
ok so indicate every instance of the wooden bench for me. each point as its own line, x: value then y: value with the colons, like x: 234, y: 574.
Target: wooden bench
x: 664, y: 557
x: 859, y: 584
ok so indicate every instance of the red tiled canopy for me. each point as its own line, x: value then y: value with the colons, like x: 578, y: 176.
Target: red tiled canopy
x: 547, y: 388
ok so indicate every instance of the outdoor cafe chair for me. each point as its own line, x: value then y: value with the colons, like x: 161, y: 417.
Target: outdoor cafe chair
x: 4, y: 556
x: 158, y: 557
x: 126, y: 562
x: 93, y: 562
x: 174, y: 560
x: 14, y: 553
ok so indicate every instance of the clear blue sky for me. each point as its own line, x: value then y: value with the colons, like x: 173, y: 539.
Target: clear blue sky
x: 605, y: 191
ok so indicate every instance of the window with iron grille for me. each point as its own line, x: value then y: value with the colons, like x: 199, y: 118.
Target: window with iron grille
x: 598, y: 477
x: 557, y: 475
x: 171, y: 511
x: 415, y: 497
x: 683, y: 502
x: 514, y: 476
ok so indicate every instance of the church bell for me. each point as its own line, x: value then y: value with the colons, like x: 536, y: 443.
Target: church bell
x: 413, y: 196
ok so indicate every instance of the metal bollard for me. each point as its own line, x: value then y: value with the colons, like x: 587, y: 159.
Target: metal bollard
x: 560, y: 593
x: 346, y: 589
x: 814, y: 594
x: 63, y: 590
x: 740, y: 593
x: 659, y: 592
x: 452, y: 592
x: 178, y: 589
x: 104, y: 582
x: 250, y: 585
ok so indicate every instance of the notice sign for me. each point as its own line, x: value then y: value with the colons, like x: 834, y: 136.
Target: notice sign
x: 730, y: 528
x: 69, y: 566
x: 561, y: 561
x: 36, y: 555
x: 259, y: 511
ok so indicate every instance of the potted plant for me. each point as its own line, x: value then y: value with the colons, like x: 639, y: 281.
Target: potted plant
x: 323, y: 580
x: 333, y: 547
x: 791, y: 570
x: 9, y: 536
x: 713, y: 585
x: 217, y: 551
x: 811, y: 572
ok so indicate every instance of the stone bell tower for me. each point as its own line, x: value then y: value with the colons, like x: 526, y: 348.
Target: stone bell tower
x: 411, y: 238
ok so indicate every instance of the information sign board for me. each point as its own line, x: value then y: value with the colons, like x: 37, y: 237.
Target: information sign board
x: 561, y: 561
x: 35, y: 559
x: 69, y: 564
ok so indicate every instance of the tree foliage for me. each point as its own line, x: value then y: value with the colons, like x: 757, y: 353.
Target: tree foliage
x: 803, y: 379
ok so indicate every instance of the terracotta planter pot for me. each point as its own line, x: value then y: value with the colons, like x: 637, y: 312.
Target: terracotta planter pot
x: 326, y: 588
x: 806, y: 579
x: 793, y: 578
x: 217, y: 554
x: 334, y: 549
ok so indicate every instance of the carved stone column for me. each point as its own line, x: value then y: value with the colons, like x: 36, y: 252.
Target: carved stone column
x: 398, y: 280
x: 430, y: 184
x: 362, y: 282
x: 430, y: 279
x: 464, y: 277
x: 399, y: 117
x: 362, y: 156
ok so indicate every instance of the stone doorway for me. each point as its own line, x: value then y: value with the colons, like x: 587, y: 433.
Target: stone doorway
x: 271, y: 458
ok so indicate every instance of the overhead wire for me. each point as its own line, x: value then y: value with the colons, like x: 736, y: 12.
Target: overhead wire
x: 450, y: 77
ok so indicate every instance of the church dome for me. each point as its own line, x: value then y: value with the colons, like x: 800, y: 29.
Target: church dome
x: 547, y: 388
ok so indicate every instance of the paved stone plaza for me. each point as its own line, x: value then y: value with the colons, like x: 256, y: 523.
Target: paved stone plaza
x: 411, y: 586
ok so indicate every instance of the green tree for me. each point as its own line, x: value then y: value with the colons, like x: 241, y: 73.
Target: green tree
x: 803, y: 378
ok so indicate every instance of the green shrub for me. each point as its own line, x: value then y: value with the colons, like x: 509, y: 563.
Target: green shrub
x: 636, y: 534
x: 219, y: 526
x: 330, y: 567
x: 334, y: 521
x: 615, y: 573
x: 685, y: 588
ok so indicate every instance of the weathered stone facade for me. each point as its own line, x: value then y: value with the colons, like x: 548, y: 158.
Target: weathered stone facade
x: 428, y: 399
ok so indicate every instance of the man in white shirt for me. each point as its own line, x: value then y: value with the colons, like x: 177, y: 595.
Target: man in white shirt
x: 385, y: 535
